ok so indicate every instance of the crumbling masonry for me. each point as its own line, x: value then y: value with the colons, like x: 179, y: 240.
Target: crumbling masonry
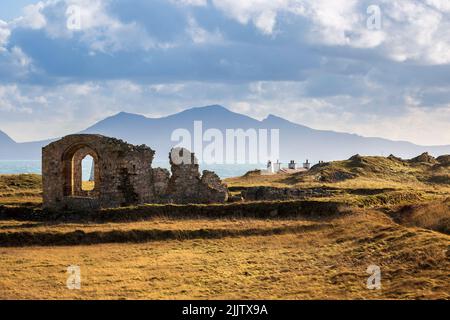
x: 123, y: 175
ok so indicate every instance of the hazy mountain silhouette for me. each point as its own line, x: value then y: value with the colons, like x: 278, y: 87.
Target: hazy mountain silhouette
x: 11, y: 150
x: 5, y: 140
x: 296, y: 141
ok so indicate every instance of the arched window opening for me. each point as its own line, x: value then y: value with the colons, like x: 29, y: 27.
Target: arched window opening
x: 88, y: 173
x: 82, y: 172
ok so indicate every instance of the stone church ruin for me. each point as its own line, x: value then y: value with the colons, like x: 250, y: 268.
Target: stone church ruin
x: 123, y: 175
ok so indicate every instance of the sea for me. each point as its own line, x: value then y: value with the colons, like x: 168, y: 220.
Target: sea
x: 34, y: 166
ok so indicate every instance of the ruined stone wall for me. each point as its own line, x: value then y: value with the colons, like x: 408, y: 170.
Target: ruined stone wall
x: 160, y: 184
x: 122, y: 172
x: 186, y: 185
x: 123, y: 175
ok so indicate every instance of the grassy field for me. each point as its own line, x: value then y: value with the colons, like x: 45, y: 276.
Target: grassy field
x: 23, y: 189
x: 395, y: 214
x: 371, y: 173
x: 322, y: 263
x: 369, y: 182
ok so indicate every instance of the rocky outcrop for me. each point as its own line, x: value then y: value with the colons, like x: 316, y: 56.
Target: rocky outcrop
x: 444, y: 160
x: 424, y: 158
x: 394, y: 158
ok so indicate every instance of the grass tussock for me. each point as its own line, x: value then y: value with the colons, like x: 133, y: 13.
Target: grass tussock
x: 390, y: 199
x: 433, y: 215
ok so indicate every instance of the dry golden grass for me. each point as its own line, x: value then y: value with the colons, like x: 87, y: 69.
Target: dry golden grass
x: 26, y: 189
x: 362, y: 182
x: 380, y: 168
x: 162, y: 223
x: 433, y: 215
x: 327, y: 263
x: 312, y: 258
x: 422, y: 181
x: 429, y: 181
x: 20, y: 189
x: 88, y: 185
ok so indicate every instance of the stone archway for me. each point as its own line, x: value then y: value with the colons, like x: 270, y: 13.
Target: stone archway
x: 73, y: 175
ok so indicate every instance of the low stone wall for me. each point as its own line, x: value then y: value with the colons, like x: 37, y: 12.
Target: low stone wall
x: 272, y: 193
x: 278, y: 209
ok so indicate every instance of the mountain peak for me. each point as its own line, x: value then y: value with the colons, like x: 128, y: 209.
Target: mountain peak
x: 276, y: 119
x: 124, y: 114
x: 296, y: 141
x: 215, y: 108
x: 213, y: 112
x: 272, y: 117
x: 4, y: 138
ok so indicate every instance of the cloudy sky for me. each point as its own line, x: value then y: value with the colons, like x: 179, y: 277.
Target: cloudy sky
x: 338, y: 65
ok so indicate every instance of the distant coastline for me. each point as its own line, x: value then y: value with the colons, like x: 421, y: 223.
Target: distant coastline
x: 34, y: 166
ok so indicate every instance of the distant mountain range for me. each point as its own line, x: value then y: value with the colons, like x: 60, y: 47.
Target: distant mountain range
x: 297, y: 142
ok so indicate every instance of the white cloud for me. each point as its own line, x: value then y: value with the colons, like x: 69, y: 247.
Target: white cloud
x: 13, y: 100
x: 202, y: 36
x: 417, y: 32
x: 4, y: 34
x: 341, y: 22
x: 262, y: 13
x: 105, y: 33
x: 14, y: 64
x: 20, y: 58
x: 94, y: 25
x: 414, y: 30
x: 197, y: 3
x: 266, y: 21
x: 441, y: 5
x: 33, y: 16
x: 167, y: 88
x: 419, y: 125
x: 82, y: 89
x: 342, y: 93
